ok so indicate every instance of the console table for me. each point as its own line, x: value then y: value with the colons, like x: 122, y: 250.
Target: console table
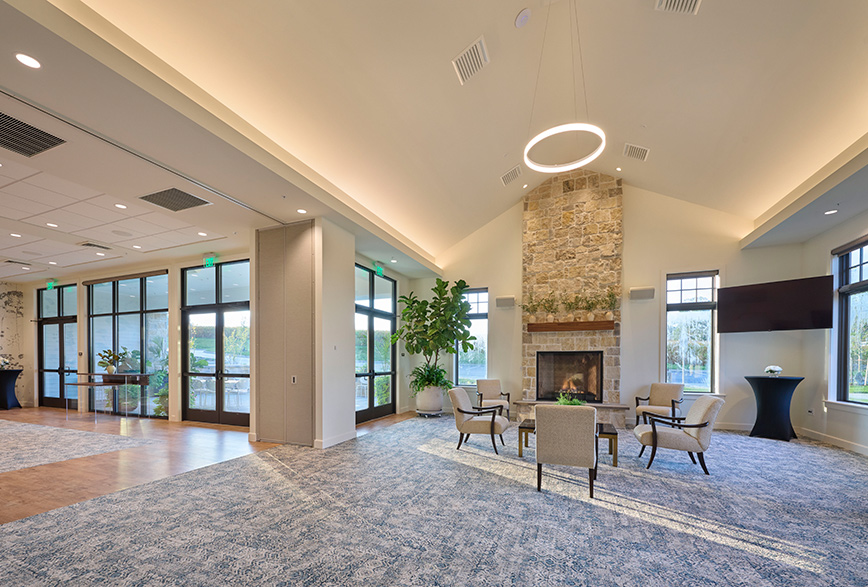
x: 773, y: 397
x: 8, y: 399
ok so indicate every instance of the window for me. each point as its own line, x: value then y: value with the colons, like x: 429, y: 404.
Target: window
x: 853, y: 324
x: 691, y: 304
x: 473, y: 365
x: 375, y: 355
x: 130, y: 316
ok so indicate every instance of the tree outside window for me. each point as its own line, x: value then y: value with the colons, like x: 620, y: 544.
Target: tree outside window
x: 691, y: 303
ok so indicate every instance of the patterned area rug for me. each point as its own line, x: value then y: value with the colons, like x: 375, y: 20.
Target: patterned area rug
x: 28, y: 445
x: 402, y: 507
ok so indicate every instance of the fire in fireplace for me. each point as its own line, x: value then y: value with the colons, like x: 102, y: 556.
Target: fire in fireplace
x: 578, y: 373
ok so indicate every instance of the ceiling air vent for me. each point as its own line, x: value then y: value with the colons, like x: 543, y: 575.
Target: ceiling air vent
x: 174, y: 199
x: 635, y: 152
x: 678, y: 6
x: 95, y: 246
x: 24, y: 139
x: 471, y: 60
x: 511, y: 175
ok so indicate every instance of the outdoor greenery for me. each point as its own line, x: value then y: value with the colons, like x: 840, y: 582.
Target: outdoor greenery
x: 429, y: 328
x: 857, y: 365
x: 688, y: 346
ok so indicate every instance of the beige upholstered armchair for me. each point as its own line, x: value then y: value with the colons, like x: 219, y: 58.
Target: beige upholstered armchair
x: 566, y: 435
x: 662, y: 400
x: 470, y: 420
x: 691, y: 433
x: 491, y: 394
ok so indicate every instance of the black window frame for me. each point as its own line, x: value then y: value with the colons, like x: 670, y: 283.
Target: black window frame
x: 688, y: 306
x: 373, y: 412
x: 456, y: 376
x: 846, y: 289
x: 61, y: 318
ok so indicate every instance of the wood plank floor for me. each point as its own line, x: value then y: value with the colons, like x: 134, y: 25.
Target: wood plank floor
x: 186, y: 446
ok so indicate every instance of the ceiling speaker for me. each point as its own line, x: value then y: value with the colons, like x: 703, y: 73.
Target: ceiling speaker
x: 504, y: 301
x: 641, y: 293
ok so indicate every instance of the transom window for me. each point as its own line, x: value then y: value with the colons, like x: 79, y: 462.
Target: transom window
x: 691, y: 312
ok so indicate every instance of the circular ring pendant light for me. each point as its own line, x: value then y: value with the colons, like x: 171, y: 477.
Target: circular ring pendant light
x: 555, y: 130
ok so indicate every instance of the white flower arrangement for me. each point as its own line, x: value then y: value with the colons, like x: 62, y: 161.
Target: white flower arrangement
x: 773, y: 370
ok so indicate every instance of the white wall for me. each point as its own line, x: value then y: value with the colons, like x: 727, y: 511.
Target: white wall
x: 335, y: 419
x: 839, y: 423
x: 491, y: 257
x: 664, y: 235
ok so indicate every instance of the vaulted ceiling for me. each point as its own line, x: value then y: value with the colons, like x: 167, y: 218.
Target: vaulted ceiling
x: 353, y: 110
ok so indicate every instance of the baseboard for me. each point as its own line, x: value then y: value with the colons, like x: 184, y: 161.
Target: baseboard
x: 828, y: 438
x: 327, y: 442
x: 251, y: 437
x: 733, y: 426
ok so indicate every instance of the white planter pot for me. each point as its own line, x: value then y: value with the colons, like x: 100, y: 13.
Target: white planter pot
x: 429, y: 401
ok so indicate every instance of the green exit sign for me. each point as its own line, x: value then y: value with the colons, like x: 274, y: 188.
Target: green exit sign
x: 209, y: 261
x: 378, y: 268
x: 50, y: 283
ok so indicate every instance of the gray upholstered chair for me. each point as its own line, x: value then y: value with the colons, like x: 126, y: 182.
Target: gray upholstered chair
x: 491, y: 394
x: 662, y: 400
x: 691, y: 433
x: 566, y: 435
x: 470, y: 420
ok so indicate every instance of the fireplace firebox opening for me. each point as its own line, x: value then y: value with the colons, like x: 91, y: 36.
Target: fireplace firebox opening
x: 577, y: 373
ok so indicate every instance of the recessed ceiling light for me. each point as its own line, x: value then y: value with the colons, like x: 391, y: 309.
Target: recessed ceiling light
x: 100, y: 254
x: 28, y: 60
x: 51, y: 224
x: 827, y: 212
x: 301, y: 211
x: 617, y: 169
x: 393, y: 260
x: 15, y: 235
x: 52, y: 262
x: 137, y: 246
x: 121, y: 206
x: 524, y: 186
x: 26, y: 268
x: 203, y: 234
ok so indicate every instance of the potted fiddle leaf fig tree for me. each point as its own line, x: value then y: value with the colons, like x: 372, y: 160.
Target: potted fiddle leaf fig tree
x: 431, y: 328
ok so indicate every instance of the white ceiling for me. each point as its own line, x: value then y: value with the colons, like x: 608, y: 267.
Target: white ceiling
x: 354, y: 111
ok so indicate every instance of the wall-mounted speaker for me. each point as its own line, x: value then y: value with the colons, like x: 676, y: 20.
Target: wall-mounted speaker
x: 504, y: 301
x: 642, y: 293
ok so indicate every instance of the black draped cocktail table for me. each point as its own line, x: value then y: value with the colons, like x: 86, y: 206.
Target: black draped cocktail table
x: 773, y: 397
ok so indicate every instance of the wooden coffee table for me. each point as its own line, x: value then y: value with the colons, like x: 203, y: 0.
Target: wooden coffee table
x: 604, y: 430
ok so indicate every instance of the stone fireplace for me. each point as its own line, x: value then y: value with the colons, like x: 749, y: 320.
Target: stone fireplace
x: 572, y: 242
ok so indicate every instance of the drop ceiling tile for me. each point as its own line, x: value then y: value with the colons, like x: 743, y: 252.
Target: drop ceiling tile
x: 138, y: 226
x: 14, y: 269
x: 109, y: 233
x: 193, y: 232
x: 62, y: 186
x: 101, y: 213
x: 164, y: 220
x: 14, y: 170
x: 38, y: 250
x: 84, y: 256
x: 8, y: 241
x: 65, y: 220
x: 132, y: 208
x: 147, y: 244
x: 12, y: 206
x: 37, y: 194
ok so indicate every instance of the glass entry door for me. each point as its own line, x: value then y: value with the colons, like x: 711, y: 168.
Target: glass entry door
x: 58, y: 363
x: 217, y: 366
x: 375, y: 355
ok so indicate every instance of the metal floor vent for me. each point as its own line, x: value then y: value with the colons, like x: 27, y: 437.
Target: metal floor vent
x: 511, y: 175
x: 678, y: 6
x: 174, y: 199
x: 635, y: 152
x: 471, y: 60
x: 24, y: 139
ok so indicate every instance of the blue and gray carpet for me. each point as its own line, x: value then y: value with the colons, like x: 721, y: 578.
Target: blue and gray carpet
x: 25, y: 445
x: 401, y: 506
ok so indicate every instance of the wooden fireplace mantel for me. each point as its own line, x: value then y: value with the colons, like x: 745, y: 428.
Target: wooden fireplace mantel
x: 570, y: 326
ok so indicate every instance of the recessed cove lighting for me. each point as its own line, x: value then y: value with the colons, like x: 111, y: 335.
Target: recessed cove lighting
x: 203, y: 234
x: 51, y: 224
x: 15, y: 235
x: 121, y: 206
x: 28, y: 60
x: 301, y: 211
x: 827, y: 212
